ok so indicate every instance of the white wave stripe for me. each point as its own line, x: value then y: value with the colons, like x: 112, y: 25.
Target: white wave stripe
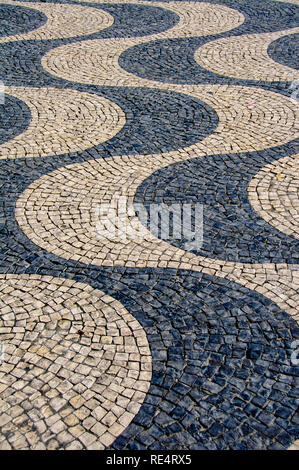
x: 245, y: 57
x: 90, y: 355
x: 62, y: 121
x: 274, y: 194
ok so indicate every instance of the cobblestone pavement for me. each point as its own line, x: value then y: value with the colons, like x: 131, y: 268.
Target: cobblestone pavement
x: 142, y: 342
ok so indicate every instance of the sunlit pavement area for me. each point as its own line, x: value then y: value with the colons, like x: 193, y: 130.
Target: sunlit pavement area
x: 113, y: 336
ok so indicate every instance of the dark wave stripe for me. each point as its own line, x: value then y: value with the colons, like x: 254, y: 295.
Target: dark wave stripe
x: 14, y: 117
x: 285, y: 50
x: 15, y: 19
x: 222, y: 373
x: 232, y: 230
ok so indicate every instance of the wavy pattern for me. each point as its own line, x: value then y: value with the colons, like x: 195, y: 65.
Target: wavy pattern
x: 97, y: 62
x: 138, y: 342
x: 69, y: 228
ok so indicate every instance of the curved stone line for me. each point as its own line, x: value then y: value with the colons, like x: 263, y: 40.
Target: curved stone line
x: 274, y: 194
x: 250, y: 119
x: 63, y: 21
x: 59, y: 212
x: 245, y: 57
x: 179, y: 66
x: 156, y: 120
x: 95, y: 62
x: 133, y: 19
x: 62, y: 121
x: 258, y: 17
x: 72, y: 350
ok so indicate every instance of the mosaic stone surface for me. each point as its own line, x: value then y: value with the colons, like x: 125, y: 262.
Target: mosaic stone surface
x: 84, y: 120
x: 73, y: 357
x: 19, y: 19
x: 285, y: 50
x: 273, y: 193
x: 224, y: 56
x: 145, y: 342
x: 15, y: 117
x: 220, y: 183
x: 63, y: 21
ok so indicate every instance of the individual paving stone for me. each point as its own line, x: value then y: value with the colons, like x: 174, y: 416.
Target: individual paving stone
x: 57, y: 317
x: 62, y: 20
x: 294, y: 446
x: 62, y: 121
x: 285, y: 50
x: 274, y: 194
